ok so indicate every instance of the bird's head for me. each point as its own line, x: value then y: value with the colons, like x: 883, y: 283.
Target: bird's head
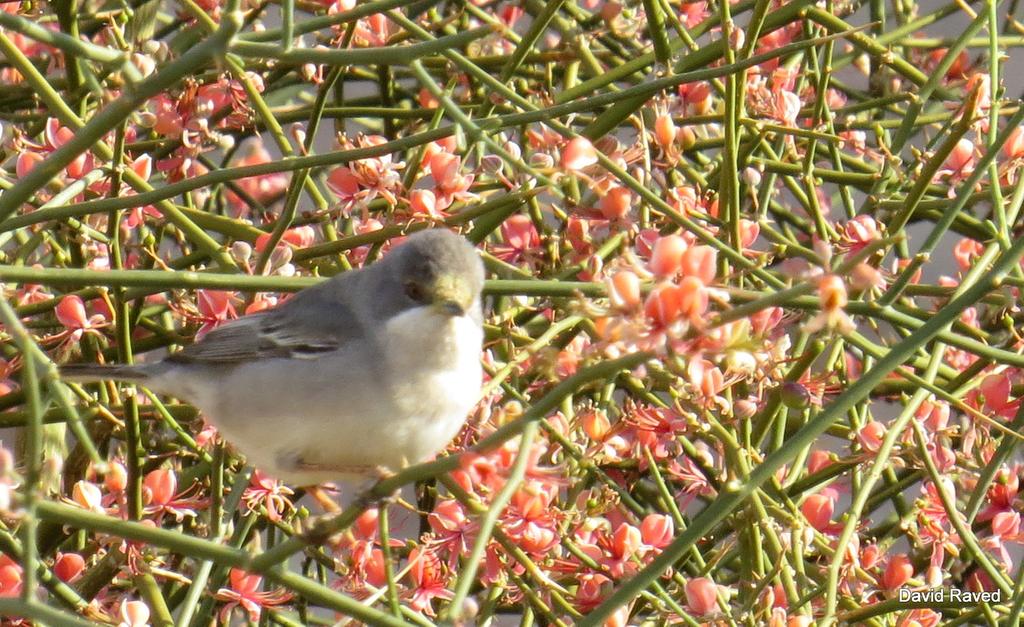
x: 440, y: 269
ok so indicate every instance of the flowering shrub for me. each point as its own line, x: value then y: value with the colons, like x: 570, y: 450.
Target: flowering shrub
x: 753, y: 350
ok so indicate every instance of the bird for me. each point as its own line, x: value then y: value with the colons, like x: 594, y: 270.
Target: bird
x: 349, y: 380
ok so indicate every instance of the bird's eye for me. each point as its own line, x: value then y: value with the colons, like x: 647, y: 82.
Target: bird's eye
x: 414, y: 291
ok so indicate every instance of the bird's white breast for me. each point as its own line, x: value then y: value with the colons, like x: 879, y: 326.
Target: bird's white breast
x: 435, y: 363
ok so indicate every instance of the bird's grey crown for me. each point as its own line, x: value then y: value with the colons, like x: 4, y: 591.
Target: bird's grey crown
x: 426, y: 254
x: 344, y: 309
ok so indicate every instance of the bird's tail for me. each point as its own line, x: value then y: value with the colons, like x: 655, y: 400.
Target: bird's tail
x: 90, y: 373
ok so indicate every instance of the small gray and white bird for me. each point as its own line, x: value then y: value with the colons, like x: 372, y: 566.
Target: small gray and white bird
x: 373, y: 369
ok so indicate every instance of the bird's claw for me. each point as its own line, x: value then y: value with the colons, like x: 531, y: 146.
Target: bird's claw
x: 319, y: 529
x: 365, y: 496
x: 324, y: 500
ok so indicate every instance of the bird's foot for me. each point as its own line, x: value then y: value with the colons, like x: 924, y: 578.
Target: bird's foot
x: 373, y: 472
x: 380, y: 473
x: 324, y: 500
x: 367, y: 498
x: 320, y: 529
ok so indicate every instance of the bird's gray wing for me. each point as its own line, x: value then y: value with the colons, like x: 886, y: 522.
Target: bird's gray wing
x: 311, y: 323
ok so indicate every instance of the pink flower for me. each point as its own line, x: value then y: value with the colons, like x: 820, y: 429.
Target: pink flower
x: 870, y: 556
x: 699, y: 262
x: 657, y: 429
x: 818, y: 460
x: 766, y: 320
x: 663, y: 305
x: 453, y: 529
x: 578, y: 154
x: 450, y: 183
x: 269, y: 493
x: 701, y: 596
x: 520, y: 237
x: 693, y: 300
x: 424, y: 204
x: 159, y: 493
x: 372, y: 31
x: 215, y: 307
x: 68, y: 566
x: 428, y: 579
x: 244, y: 592
x: 749, y: 232
x: 624, y: 290
x: 616, y: 203
x: 818, y: 508
x: 1014, y: 146
x: 1006, y: 524
x: 859, y: 232
x: 116, y: 478
x: 620, y: 548
x: 898, y: 572
x: 26, y: 162
x: 87, y: 495
x: 966, y: 251
x: 55, y: 135
x: 959, y: 164
x: 10, y: 577
x: 71, y: 313
x: 994, y: 392
x: 832, y: 293
x: 265, y: 188
x: 696, y: 97
x: 596, y: 425
x: 134, y: 614
x: 299, y: 237
x: 591, y: 589
x: 667, y: 256
x: 363, y: 180
x: 666, y: 134
x: 933, y: 415
x: 343, y: 182
x: 530, y: 520
x: 870, y: 436
x: 786, y: 107
x: 657, y: 530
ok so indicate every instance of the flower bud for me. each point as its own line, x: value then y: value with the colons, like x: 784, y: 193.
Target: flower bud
x: 794, y: 395
x: 87, y: 495
x: 578, y: 154
x: 686, y: 137
x: 596, y: 425
x: 817, y: 509
x: 615, y: 204
x: 624, y: 289
x: 68, y: 566
x: 667, y: 256
x: 898, y: 572
x: 832, y: 293
x: 665, y: 131
x: 145, y: 119
x: 541, y: 160
x: 744, y: 408
x: 657, y: 530
x: 701, y: 596
x: 241, y: 251
x: 145, y: 64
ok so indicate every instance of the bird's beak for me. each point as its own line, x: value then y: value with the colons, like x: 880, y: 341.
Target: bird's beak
x: 451, y: 295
